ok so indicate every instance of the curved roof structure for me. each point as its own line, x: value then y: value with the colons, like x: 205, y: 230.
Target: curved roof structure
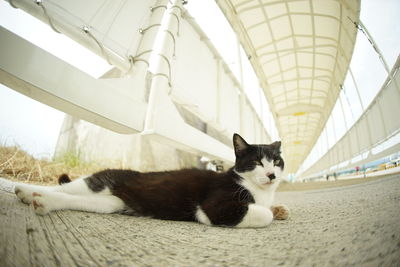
x: 300, y: 51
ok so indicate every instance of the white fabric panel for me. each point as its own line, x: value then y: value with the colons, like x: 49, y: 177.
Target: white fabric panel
x: 194, y: 74
x: 109, y: 19
x: 391, y: 106
x: 229, y: 104
x: 258, y: 137
x: 106, y: 20
x: 324, y: 162
x: 363, y: 134
x: 264, y: 138
x: 202, y: 83
x: 377, y: 128
x: 339, y: 151
x: 248, y: 124
x: 378, y: 123
x: 347, y: 147
x: 334, y: 154
x: 353, y: 136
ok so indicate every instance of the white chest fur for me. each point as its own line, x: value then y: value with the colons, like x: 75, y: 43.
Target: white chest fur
x: 263, y: 196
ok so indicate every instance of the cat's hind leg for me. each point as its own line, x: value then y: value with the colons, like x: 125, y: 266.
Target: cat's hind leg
x: 24, y: 191
x: 45, y: 202
x: 77, y: 187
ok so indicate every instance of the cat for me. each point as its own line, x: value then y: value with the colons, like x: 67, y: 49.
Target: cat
x: 239, y: 197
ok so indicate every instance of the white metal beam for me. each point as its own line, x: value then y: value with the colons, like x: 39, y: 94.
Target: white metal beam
x: 110, y: 103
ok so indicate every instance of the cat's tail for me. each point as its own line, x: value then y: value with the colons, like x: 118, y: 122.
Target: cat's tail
x: 63, y: 179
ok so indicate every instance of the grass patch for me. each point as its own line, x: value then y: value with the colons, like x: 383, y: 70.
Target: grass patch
x: 18, y: 165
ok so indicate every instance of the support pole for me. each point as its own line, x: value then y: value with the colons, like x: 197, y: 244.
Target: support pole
x: 364, y: 30
x: 335, y: 143
x: 362, y: 106
x: 142, y: 57
x: 344, y: 119
x: 162, y: 71
x: 355, y: 127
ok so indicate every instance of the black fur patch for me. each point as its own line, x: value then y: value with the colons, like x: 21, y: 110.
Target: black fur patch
x: 249, y: 157
x: 176, y: 195
x: 63, y: 179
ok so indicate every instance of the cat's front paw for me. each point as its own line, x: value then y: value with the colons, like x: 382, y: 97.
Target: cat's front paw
x: 280, y: 212
x: 40, y: 204
x: 23, y: 193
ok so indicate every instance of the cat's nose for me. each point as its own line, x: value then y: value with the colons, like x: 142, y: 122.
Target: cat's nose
x: 271, y: 175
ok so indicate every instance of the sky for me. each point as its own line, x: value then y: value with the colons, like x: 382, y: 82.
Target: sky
x: 35, y: 126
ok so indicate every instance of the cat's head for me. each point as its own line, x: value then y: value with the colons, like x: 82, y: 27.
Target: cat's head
x: 261, y: 164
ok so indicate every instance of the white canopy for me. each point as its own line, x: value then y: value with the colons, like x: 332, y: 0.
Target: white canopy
x: 300, y: 51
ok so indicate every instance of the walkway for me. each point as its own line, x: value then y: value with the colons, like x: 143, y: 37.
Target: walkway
x: 357, y: 225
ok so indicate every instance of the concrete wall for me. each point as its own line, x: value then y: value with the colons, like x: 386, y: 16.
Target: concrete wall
x: 93, y: 143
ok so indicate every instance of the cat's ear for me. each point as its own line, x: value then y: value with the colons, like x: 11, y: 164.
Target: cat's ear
x: 277, y: 147
x: 239, y: 144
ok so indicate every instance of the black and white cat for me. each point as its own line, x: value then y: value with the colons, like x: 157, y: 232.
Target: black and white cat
x: 240, y: 197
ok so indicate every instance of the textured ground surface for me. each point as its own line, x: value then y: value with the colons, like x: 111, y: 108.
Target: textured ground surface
x: 354, y: 225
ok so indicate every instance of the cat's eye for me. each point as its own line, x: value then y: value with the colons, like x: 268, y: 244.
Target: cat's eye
x: 277, y: 161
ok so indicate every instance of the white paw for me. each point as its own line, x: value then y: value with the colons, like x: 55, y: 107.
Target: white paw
x: 257, y: 216
x: 281, y: 212
x: 23, y: 193
x: 41, y: 203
